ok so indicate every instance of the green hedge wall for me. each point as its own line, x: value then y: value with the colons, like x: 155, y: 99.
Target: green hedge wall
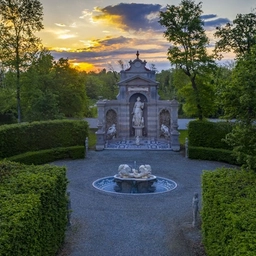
x: 16, y: 139
x: 229, y: 212
x: 208, y: 134
x: 33, y: 212
x: 49, y: 155
x: 212, y: 154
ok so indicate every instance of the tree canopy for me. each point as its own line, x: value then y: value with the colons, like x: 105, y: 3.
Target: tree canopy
x: 185, y: 32
x: 19, y: 20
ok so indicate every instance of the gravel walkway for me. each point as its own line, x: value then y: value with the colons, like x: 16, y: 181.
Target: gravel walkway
x: 106, y: 224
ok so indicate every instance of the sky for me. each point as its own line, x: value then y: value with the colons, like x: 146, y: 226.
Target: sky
x: 95, y: 35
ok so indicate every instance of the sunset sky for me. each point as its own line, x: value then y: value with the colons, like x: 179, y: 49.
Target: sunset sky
x: 96, y: 34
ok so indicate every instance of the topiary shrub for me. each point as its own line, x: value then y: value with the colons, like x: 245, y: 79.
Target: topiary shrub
x: 213, y: 154
x: 49, y: 155
x: 209, y: 134
x: 228, y: 213
x: 26, y: 137
x: 33, y: 212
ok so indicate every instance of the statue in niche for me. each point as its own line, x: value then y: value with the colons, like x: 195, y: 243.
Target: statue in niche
x: 111, y: 133
x: 137, y: 113
x: 165, y: 131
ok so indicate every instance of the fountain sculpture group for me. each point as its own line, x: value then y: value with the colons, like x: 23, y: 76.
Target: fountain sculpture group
x: 131, y: 180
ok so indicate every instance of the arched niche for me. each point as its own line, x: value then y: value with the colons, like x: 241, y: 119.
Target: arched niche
x: 132, y: 101
x: 165, y: 119
x: 111, y: 118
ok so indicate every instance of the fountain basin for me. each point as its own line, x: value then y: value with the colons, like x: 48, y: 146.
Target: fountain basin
x: 134, y: 185
x: 107, y: 184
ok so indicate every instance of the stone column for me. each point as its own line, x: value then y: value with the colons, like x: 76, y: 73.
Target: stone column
x: 175, y: 144
x: 100, y: 134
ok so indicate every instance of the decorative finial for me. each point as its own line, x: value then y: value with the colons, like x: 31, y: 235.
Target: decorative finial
x: 137, y: 54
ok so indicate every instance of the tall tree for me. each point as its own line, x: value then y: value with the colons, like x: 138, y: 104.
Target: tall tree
x: 19, y: 20
x: 238, y: 37
x: 185, y: 31
x: 239, y: 101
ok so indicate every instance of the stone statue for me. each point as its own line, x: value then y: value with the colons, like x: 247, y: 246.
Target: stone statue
x: 137, y: 113
x: 195, y: 202
x: 165, y: 131
x: 125, y: 171
x: 111, y: 133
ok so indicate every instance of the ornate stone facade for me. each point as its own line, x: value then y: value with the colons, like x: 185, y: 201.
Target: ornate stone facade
x: 138, y: 87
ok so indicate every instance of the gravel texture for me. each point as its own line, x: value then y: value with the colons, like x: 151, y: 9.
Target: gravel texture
x: 107, y: 224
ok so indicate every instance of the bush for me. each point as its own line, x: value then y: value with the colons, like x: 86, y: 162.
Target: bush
x: 33, y: 213
x: 229, y: 212
x: 20, y: 138
x: 49, y: 155
x: 209, y: 134
x: 213, y: 154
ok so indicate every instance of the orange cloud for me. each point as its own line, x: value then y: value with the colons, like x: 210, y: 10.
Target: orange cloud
x: 83, y: 66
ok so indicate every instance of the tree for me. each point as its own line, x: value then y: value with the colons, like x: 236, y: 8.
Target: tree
x: 188, y: 52
x: 238, y: 37
x: 19, y: 20
x: 239, y: 101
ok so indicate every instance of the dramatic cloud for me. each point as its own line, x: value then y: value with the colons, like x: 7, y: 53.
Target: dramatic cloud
x: 212, y: 21
x: 130, y: 16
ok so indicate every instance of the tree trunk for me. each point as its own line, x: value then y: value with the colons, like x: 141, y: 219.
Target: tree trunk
x: 199, y: 107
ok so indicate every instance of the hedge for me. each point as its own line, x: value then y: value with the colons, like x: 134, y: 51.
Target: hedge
x: 212, y: 154
x: 33, y: 213
x: 208, y: 134
x: 229, y: 212
x: 16, y: 139
x: 49, y: 155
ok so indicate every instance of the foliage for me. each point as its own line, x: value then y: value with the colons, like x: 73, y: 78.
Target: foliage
x: 229, y: 216
x: 20, y: 138
x: 238, y: 37
x: 212, y: 154
x: 184, y: 29
x: 209, y: 134
x: 49, y: 155
x: 19, y: 20
x: 33, y: 213
x: 239, y: 101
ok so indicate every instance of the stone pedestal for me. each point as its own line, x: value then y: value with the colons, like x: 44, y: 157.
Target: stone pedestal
x: 138, y: 130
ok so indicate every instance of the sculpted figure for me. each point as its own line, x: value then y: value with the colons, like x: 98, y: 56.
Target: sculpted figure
x: 137, y: 113
x: 111, y: 133
x: 125, y: 171
x: 165, y: 131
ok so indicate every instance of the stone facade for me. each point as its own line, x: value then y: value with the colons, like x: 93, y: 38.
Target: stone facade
x: 138, y: 82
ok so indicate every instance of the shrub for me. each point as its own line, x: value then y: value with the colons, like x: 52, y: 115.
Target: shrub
x: 33, y: 213
x: 229, y: 212
x: 213, y: 154
x: 49, y: 155
x: 208, y: 134
x: 20, y: 138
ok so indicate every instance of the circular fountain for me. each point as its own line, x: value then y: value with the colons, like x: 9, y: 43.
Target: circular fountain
x: 132, y: 181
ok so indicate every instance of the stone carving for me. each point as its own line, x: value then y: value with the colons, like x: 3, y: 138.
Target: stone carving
x: 125, y: 171
x: 111, y: 133
x: 195, y: 202
x: 137, y: 113
x: 131, y: 180
x: 165, y: 131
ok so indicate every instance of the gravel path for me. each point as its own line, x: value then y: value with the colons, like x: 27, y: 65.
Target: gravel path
x: 106, y: 224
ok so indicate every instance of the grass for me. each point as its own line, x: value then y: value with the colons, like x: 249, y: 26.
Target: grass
x: 183, y: 136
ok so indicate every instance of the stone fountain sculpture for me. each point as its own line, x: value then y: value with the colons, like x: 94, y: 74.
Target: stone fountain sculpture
x: 131, y: 180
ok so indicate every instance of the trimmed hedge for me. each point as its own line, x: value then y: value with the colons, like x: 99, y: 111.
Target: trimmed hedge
x: 49, y: 155
x: 16, y: 139
x: 33, y: 213
x: 213, y: 154
x: 229, y: 212
x: 208, y: 134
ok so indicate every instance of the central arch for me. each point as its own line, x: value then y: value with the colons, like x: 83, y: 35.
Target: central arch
x: 132, y: 101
